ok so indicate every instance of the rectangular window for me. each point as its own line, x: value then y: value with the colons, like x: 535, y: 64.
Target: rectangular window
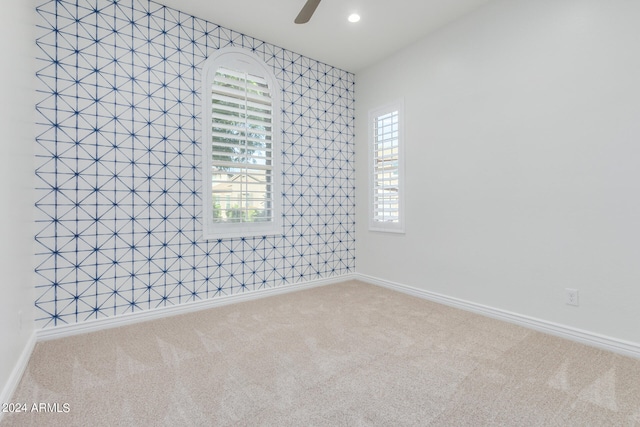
x: 386, y: 169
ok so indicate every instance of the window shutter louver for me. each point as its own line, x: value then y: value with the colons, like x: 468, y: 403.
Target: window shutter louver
x: 241, y: 157
x: 386, y: 170
x: 385, y: 191
x: 241, y: 148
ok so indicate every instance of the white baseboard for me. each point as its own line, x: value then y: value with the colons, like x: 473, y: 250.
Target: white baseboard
x: 142, y: 316
x: 18, y: 371
x: 612, y: 344
x: 585, y: 337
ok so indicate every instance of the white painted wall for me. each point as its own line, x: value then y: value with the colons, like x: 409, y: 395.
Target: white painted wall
x: 16, y: 175
x: 523, y: 162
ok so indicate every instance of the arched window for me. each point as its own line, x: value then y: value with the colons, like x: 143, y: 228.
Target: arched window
x: 241, y: 153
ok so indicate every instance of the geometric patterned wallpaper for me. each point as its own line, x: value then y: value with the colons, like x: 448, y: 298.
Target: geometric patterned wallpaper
x: 119, y: 226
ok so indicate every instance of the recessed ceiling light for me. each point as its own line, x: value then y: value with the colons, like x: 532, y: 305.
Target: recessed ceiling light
x: 354, y: 17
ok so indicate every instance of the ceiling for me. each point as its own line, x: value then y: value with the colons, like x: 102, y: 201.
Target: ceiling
x: 386, y: 25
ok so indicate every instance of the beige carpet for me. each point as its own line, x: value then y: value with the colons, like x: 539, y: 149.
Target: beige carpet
x: 349, y: 354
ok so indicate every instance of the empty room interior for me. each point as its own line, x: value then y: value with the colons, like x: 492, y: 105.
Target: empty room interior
x: 320, y: 212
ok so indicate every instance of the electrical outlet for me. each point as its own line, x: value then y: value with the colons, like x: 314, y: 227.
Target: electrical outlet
x: 571, y: 296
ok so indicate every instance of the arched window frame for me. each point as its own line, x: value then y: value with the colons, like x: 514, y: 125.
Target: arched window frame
x: 242, y: 61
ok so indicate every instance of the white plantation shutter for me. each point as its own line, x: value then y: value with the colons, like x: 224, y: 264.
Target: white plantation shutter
x: 386, y: 166
x: 241, y: 162
x: 241, y: 147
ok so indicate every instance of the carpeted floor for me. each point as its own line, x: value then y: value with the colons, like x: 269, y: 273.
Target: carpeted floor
x: 349, y: 354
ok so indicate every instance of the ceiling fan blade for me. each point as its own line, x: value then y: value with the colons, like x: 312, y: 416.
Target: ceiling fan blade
x: 307, y: 11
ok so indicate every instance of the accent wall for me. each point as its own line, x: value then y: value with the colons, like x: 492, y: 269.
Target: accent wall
x: 119, y: 165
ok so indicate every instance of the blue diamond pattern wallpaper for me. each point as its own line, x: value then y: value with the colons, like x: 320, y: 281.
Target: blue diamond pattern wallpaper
x: 118, y: 167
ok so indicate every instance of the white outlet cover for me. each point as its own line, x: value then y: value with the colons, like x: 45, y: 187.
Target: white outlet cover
x: 572, y: 297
